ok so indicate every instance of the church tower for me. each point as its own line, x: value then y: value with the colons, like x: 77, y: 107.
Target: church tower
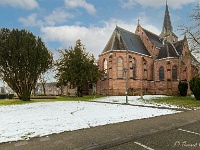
x: 167, y: 30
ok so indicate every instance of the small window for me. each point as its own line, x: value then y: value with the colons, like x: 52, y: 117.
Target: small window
x: 161, y: 74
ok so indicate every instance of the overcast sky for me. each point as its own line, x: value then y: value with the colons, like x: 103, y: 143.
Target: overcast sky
x: 61, y: 22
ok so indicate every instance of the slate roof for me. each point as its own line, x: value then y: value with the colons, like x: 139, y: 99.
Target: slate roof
x: 168, y: 50
x: 155, y: 39
x: 179, y: 46
x: 122, y: 39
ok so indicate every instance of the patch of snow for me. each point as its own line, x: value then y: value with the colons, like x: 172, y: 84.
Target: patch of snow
x: 21, y: 122
x: 137, y: 100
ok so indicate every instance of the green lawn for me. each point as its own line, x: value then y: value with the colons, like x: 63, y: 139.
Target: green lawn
x: 58, y: 98
x: 187, y: 101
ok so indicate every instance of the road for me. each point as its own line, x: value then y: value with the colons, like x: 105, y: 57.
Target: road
x: 184, y: 138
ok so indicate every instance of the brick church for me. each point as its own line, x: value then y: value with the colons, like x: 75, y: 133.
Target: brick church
x: 145, y: 63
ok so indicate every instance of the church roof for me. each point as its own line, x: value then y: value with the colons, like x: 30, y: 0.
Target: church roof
x: 155, y: 39
x: 179, y: 46
x: 122, y: 39
x: 168, y: 50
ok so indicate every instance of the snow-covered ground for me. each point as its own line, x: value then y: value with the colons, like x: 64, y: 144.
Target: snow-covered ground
x: 21, y: 122
x: 137, y: 100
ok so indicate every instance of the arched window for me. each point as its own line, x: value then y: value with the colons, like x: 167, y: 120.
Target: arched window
x: 105, y: 68
x: 119, y: 68
x: 134, y: 68
x: 174, y: 73
x: 161, y: 74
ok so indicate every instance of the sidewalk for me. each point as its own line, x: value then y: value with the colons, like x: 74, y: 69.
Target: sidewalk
x: 105, y: 136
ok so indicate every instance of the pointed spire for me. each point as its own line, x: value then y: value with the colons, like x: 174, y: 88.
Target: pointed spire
x: 167, y: 29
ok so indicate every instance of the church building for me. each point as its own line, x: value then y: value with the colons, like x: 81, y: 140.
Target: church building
x: 145, y: 63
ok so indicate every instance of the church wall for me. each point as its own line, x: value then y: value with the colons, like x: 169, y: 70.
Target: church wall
x: 167, y: 63
x: 168, y: 85
x: 114, y: 86
x: 187, y: 71
x: 195, y: 71
x: 185, y: 64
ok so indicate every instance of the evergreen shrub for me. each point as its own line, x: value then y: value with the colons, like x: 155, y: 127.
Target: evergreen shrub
x: 195, y: 87
x: 183, y: 87
x: 6, y: 96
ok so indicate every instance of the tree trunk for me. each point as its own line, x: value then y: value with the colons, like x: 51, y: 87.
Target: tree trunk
x: 61, y: 90
x: 44, y: 90
x: 79, y: 91
x: 34, y: 91
x: 25, y: 96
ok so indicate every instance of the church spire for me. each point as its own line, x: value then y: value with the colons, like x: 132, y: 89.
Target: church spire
x: 167, y: 29
x: 167, y: 26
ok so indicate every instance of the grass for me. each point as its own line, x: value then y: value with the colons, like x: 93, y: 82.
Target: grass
x: 188, y: 101
x: 84, y: 98
x: 182, y: 101
x: 58, y: 98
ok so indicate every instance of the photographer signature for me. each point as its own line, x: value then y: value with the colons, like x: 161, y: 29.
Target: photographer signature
x: 186, y: 144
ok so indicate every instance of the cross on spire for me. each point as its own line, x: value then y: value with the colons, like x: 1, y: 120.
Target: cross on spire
x: 116, y: 22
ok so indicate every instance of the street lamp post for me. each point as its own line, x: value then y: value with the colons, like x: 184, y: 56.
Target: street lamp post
x: 126, y: 74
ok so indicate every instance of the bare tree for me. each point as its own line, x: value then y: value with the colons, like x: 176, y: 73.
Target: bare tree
x: 193, y: 31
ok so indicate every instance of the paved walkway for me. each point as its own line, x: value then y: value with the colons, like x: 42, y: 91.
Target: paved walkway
x: 148, y: 106
x: 103, y: 137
